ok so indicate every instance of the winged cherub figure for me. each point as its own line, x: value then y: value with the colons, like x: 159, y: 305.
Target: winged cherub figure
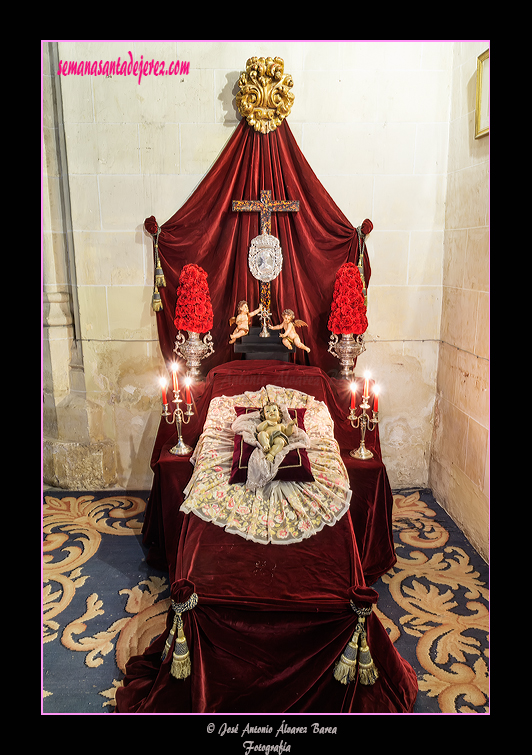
x: 242, y: 320
x: 290, y: 335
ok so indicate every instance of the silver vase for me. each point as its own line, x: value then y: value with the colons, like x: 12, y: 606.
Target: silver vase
x: 193, y: 351
x: 347, y: 349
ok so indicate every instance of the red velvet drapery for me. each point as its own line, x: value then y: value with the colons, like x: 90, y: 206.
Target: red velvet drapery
x: 315, y: 241
x: 270, y: 622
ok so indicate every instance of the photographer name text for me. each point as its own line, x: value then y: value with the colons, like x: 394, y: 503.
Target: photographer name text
x: 250, y: 746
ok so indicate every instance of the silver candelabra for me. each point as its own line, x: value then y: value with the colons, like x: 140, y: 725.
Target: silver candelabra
x: 363, y: 420
x: 178, y: 417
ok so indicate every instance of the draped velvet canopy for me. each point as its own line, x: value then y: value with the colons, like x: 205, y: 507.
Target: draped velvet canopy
x: 316, y: 240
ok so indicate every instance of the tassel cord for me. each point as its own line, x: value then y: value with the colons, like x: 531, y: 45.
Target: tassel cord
x: 356, y: 656
x: 181, y: 666
x: 360, y: 264
x: 159, y: 279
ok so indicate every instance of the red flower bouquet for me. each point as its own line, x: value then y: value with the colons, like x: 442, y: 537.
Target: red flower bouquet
x: 348, y: 310
x: 193, y: 309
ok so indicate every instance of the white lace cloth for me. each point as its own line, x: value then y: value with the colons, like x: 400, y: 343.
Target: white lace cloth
x: 263, y: 509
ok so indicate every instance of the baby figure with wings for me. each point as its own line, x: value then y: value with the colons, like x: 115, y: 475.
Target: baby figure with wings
x: 290, y: 335
x: 242, y: 320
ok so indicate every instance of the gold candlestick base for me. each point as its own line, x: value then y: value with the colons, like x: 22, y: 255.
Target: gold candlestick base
x: 362, y: 453
x: 180, y: 448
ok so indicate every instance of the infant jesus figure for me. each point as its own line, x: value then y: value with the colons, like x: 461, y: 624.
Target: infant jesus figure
x: 290, y: 335
x: 271, y: 433
x: 242, y: 320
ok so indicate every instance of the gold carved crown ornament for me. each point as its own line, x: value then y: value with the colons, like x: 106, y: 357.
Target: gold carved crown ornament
x: 265, y: 99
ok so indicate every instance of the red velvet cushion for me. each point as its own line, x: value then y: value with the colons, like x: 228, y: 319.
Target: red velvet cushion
x: 295, y: 467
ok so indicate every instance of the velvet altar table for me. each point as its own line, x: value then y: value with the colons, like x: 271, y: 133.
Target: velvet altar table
x: 371, y: 502
x: 269, y: 625
x: 270, y: 621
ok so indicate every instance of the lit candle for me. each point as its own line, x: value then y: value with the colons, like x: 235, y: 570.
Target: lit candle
x: 175, y: 382
x: 376, y: 398
x: 163, y: 388
x: 353, y: 395
x: 187, y: 391
x: 366, y: 383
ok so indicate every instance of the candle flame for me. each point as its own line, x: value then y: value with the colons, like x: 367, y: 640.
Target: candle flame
x: 367, y: 374
x: 353, y: 387
x: 174, y: 366
x: 188, y: 381
x: 163, y: 382
x: 376, y: 390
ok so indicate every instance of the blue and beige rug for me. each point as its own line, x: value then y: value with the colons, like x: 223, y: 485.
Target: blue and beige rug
x: 103, y: 603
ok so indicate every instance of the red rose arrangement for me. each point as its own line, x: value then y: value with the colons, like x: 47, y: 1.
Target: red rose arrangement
x: 193, y: 309
x: 348, y: 310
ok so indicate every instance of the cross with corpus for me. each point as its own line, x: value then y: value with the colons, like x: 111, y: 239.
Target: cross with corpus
x: 265, y: 205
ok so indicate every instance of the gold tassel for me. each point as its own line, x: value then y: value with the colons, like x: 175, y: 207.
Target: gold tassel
x: 367, y: 671
x: 169, y: 639
x: 181, y: 666
x: 357, y: 649
x: 345, y: 669
x: 156, y: 303
x: 160, y: 280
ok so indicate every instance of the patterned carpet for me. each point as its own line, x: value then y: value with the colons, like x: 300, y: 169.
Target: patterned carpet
x: 102, y: 603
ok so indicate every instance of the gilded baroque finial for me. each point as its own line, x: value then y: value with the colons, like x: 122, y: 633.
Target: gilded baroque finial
x: 265, y: 99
